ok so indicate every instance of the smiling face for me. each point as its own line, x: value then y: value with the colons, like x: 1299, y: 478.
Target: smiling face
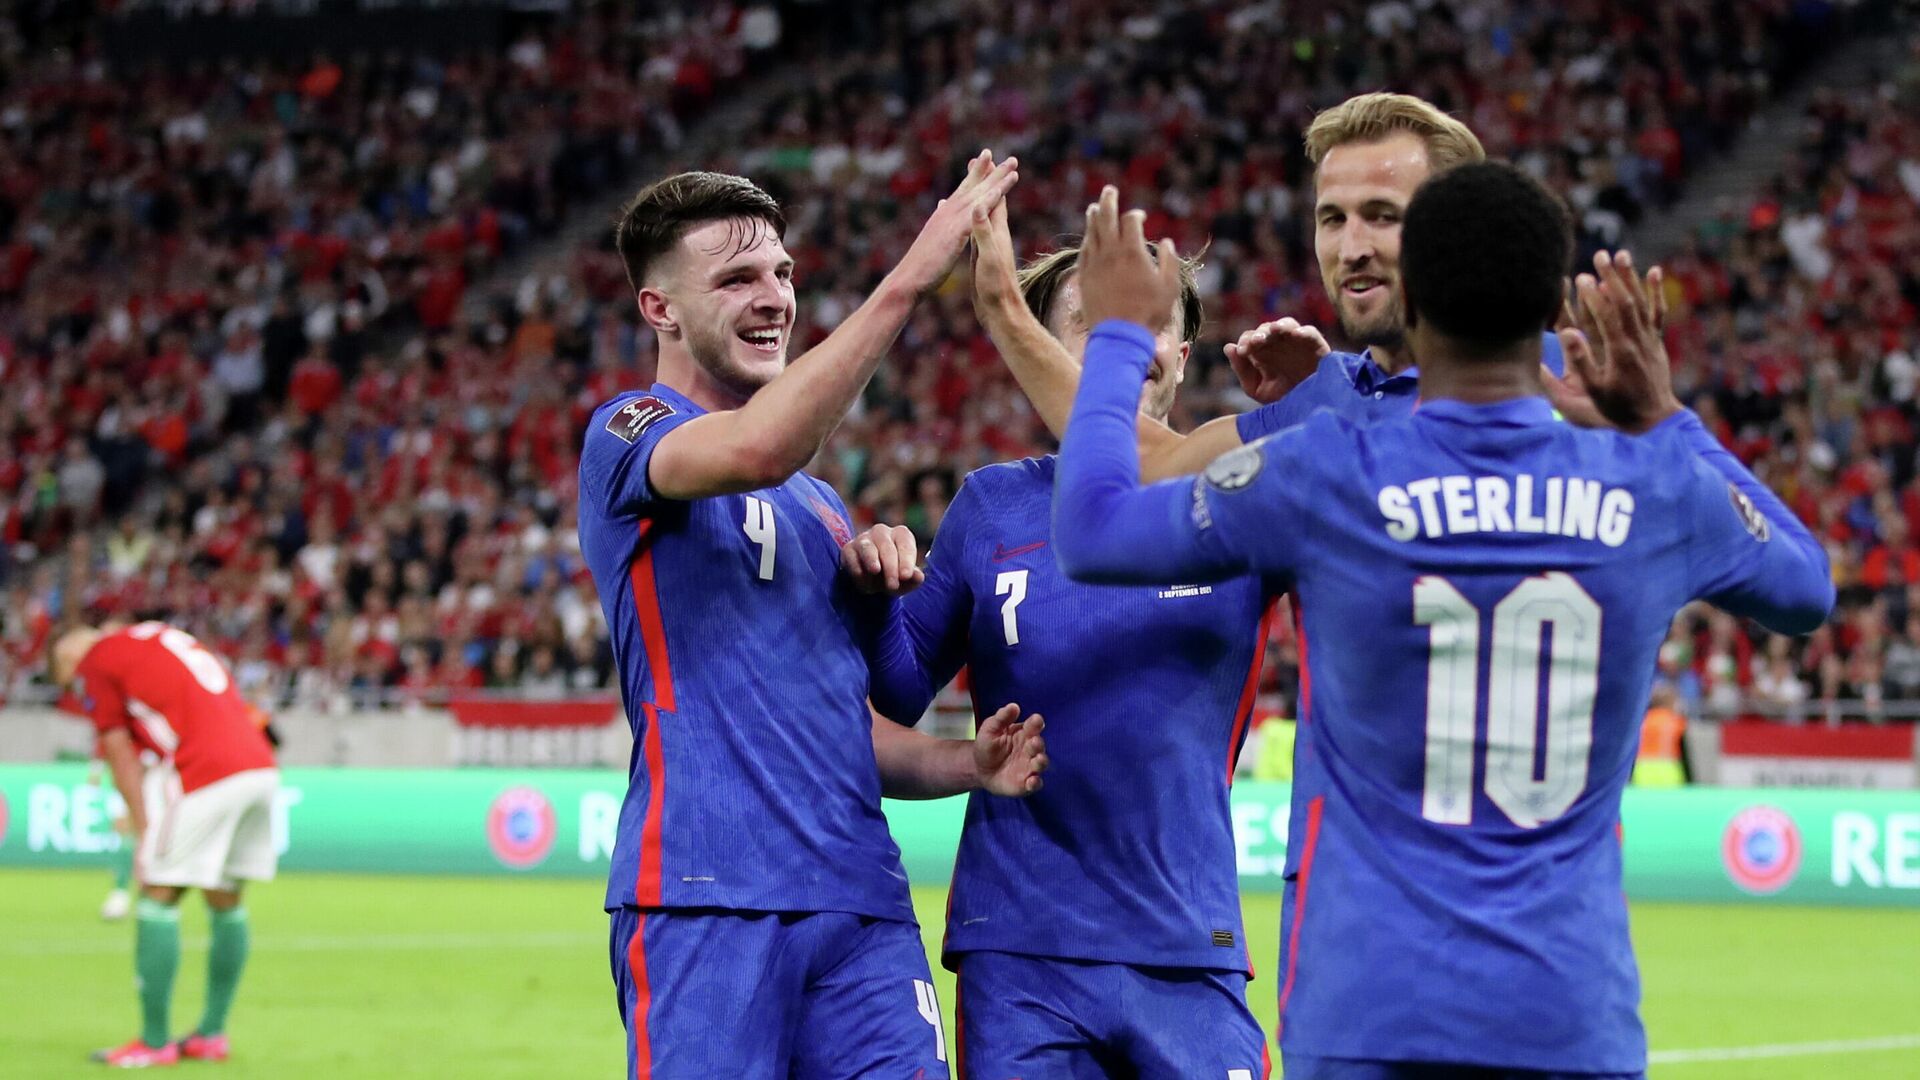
x: 723, y: 297
x: 1361, y: 194
x: 1170, y: 348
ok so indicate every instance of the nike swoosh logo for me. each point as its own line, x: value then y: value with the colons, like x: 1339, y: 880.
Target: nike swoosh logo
x: 1001, y: 552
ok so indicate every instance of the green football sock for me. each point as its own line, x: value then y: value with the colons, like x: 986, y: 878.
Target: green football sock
x: 123, y: 862
x: 156, y: 957
x: 226, y: 956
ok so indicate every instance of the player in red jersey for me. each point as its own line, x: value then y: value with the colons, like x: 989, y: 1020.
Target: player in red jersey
x: 154, y: 688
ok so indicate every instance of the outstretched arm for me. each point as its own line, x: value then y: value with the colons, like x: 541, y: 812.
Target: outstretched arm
x: 1106, y: 527
x: 1747, y: 552
x: 1750, y: 554
x: 1049, y: 374
x: 780, y: 429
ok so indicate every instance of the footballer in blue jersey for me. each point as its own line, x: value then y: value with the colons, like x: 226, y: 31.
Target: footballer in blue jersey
x: 1095, y: 927
x: 1487, y: 588
x: 761, y: 925
x: 1370, y: 153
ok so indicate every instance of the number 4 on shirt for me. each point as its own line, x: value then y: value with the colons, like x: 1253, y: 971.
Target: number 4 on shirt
x: 759, y: 528
x: 929, y: 1007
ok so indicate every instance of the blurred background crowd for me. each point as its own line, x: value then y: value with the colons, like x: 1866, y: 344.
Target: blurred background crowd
x: 297, y: 350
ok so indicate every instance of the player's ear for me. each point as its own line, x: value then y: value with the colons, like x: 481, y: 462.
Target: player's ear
x: 656, y: 310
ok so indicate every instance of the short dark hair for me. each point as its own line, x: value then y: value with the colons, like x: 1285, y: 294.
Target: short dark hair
x: 1484, y: 252
x: 655, y: 219
x: 1040, y: 282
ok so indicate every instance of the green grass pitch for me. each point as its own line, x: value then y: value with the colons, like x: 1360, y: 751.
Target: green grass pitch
x: 498, y: 977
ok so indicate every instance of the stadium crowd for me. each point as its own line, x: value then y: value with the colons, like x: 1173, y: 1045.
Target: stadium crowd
x: 220, y: 439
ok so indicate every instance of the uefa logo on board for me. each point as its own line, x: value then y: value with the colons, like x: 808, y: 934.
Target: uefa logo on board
x: 520, y: 827
x: 1761, y: 849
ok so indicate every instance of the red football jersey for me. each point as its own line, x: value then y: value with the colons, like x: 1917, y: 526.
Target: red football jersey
x: 176, y: 699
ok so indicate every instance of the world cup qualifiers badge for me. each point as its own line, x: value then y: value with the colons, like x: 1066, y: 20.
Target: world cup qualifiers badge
x: 1761, y: 849
x: 521, y: 827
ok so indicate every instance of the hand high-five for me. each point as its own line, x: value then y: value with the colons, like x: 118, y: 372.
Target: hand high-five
x: 1617, y: 369
x: 1119, y: 278
x: 944, y: 237
x: 996, y: 268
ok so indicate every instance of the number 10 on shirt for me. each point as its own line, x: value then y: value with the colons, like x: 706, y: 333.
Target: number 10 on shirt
x: 1550, y: 617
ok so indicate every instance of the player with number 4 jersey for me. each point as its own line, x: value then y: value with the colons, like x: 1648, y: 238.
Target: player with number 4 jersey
x: 761, y: 924
x: 1486, y: 588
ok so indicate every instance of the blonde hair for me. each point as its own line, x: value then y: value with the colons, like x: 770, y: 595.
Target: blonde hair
x: 1370, y: 117
x: 1040, y: 282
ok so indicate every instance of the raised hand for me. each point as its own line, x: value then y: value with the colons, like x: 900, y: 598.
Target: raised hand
x: 884, y: 559
x: 1570, y: 398
x: 996, y: 268
x: 1656, y: 301
x: 944, y: 236
x: 1008, y: 753
x: 1274, y: 357
x: 1119, y: 278
x: 1618, y: 374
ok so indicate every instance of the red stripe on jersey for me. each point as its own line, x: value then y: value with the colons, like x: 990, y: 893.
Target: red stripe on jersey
x: 642, y: 1000
x: 1306, y: 671
x: 959, y: 1021
x: 1300, y: 905
x: 946, y: 927
x: 1243, y: 712
x: 646, y: 887
x: 1266, y: 1062
x: 653, y: 629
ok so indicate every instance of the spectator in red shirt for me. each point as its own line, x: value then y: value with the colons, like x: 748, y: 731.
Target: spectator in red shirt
x: 316, y: 383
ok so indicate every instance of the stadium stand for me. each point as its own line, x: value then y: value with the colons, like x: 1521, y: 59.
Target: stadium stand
x: 279, y: 433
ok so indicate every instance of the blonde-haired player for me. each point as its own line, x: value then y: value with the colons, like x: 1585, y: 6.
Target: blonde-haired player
x: 1370, y: 153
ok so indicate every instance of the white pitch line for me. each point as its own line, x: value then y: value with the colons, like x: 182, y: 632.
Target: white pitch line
x: 333, y: 943
x: 1780, y: 1050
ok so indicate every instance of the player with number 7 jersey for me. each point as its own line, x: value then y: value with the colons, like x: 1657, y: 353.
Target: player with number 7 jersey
x: 1095, y: 927
x: 1485, y: 588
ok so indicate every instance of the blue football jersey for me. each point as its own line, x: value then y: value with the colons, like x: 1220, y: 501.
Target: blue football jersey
x: 1353, y: 386
x: 1126, y: 855
x: 1484, y: 592
x: 753, y: 784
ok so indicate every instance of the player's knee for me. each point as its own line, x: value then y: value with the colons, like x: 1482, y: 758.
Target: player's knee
x: 223, y: 899
x: 161, y: 894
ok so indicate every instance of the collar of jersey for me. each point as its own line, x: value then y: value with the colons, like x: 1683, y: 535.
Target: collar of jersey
x: 1518, y: 412
x: 1368, y: 376
x: 674, y: 398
